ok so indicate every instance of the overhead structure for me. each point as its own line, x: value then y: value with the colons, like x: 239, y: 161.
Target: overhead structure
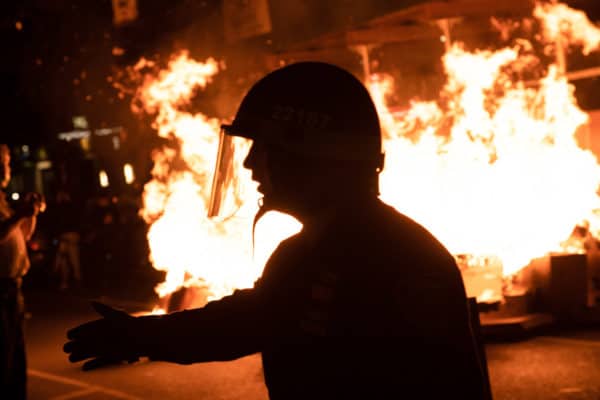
x: 427, y: 21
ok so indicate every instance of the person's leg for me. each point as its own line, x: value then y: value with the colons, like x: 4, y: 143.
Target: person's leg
x: 19, y: 356
x: 5, y: 340
x: 13, y: 370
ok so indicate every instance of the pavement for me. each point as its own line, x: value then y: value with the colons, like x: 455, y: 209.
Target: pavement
x: 52, y: 377
x: 556, y: 364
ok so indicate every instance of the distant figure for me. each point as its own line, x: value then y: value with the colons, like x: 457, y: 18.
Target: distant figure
x: 16, y: 228
x: 363, y: 303
x: 98, y: 235
x: 66, y: 260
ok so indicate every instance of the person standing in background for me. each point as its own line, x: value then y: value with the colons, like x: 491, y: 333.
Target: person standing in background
x: 66, y: 261
x: 16, y: 228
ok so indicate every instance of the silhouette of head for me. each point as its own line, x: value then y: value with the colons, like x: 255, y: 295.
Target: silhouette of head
x: 316, y: 137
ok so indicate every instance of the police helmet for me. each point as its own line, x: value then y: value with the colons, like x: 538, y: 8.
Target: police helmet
x: 312, y: 109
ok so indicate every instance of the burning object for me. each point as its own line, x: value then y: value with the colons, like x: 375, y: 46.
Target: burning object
x: 491, y: 168
x: 561, y: 284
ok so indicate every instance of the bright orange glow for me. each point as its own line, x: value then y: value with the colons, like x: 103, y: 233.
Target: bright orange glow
x: 192, y: 248
x: 128, y: 173
x: 560, y: 22
x: 103, y: 179
x: 493, y: 168
x: 491, y: 172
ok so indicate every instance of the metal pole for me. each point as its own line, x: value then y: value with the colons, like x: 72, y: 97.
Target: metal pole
x: 561, y: 59
x: 444, y: 25
x: 363, y: 51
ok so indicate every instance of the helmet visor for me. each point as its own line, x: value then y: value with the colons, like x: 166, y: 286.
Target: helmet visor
x: 229, y: 177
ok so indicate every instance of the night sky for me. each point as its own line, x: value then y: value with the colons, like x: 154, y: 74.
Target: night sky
x: 57, y: 55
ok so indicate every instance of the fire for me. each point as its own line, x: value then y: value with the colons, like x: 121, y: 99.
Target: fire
x: 492, y: 168
x: 507, y: 177
x: 560, y: 22
x: 191, y: 248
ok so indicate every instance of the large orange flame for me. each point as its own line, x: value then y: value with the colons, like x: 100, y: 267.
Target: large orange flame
x: 562, y: 23
x: 492, y: 168
x: 191, y: 248
x: 507, y: 177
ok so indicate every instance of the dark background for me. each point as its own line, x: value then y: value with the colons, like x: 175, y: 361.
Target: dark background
x: 58, y: 63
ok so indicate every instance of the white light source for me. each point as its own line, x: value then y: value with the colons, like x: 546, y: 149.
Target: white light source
x: 15, y: 196
x: 80, y: 122
x: 103, y: 177
x: 68, y: 136
x: 129, y: 174
x: 107, y: 131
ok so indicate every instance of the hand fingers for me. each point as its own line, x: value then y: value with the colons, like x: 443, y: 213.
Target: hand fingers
x: 79, y: 351
x: 88, y: 329
x: 100, y: 362
x: 68, y: 347
x: 99, y: 325
x: 98, y: 340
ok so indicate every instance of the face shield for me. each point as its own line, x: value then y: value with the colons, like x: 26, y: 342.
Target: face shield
x: 226, y: 196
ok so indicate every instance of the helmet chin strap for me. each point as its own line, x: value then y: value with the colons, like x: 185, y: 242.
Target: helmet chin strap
x: 264, y: 206
x: 262, y: 210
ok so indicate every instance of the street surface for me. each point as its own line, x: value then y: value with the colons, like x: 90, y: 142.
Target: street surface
x: 562, y: 365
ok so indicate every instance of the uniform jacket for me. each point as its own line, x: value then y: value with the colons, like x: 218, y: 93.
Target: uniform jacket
x: 369, y: 305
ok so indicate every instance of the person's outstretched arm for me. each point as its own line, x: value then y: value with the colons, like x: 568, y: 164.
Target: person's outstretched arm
x: 225, y: 329
x: 222, y: 330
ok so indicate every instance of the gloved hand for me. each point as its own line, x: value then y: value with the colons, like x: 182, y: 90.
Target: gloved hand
x: 108, y: 340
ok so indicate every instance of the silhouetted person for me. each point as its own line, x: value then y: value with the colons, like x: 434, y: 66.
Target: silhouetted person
x: 98, y: 236
x: 16, y: 228
x: 66, y: 260
x: 362, y: 303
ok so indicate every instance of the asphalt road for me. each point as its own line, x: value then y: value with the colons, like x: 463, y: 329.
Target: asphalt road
x: 51, y: 376
x: 563, y: 365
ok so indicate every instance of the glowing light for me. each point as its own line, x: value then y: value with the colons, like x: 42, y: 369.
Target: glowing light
x: 128, y: 173
x: 15, y: 196
x: 103, y: 179
x: 118, y: 51
x: 68, y: 136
